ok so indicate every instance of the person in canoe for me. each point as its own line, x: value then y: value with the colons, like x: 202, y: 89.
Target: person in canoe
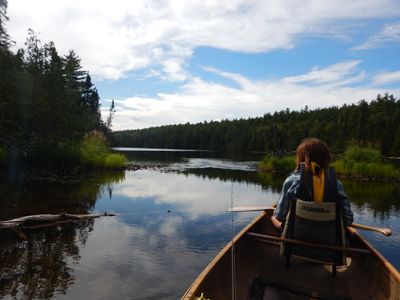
x: 313, y: 205
x: 314, y: 210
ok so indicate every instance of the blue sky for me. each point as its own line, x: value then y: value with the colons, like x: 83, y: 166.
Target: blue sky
x: 167, y: 62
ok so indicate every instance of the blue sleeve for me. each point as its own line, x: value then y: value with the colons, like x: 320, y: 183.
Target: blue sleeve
x: 289, y: 190
x: 344, y: 200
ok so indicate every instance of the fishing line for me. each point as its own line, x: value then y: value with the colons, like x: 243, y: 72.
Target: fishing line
x: 233, y: 264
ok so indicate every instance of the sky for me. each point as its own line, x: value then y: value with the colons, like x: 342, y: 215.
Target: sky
x: 169, y: 62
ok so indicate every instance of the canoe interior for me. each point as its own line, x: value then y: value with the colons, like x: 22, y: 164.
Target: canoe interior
x: 365, y: 277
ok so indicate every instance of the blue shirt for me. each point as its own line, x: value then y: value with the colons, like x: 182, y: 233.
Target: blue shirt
x: 289, y: 190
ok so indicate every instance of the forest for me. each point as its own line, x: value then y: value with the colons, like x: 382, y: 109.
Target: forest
x: 375, y: 123
x: 50, y: 118
x: 49, y: 107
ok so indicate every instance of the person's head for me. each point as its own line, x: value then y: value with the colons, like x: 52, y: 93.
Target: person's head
x: 312, y: 150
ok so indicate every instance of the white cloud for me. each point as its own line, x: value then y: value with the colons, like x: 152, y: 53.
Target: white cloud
x: 239, y: 79
x: 116, y: 37
x: 333, y: 73
x: 174, y: 69
x: 390, y: 33
x: 387, y: 77
x: 200, y: 100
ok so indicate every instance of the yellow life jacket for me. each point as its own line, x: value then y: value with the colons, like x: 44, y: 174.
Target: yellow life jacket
x: 318, y: 174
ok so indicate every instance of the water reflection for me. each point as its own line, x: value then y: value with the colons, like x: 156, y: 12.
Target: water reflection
x: 382, y: 198
x: 171, y: 223
x: 268, y: 182
x: 41, y: 197
x: 193, y: 195
x: 177, y: 156
x: 38, y: 267
x: 35, y: 264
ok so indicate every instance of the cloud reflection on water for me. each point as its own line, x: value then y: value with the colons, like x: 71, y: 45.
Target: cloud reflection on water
x: 193, y: 195
x: 148, y: 252
x: 171, y: 224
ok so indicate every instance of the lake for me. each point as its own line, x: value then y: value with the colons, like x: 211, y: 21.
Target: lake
x: 171, y: 222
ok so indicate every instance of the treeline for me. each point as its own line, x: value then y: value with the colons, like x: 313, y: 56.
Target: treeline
x: 376, y: 122
x: 48, y: 104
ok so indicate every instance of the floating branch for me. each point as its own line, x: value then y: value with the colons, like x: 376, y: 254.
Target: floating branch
x: 47, y: 220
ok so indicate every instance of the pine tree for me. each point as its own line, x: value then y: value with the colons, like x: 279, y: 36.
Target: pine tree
x: 74, y: 75
x: 90, y: 97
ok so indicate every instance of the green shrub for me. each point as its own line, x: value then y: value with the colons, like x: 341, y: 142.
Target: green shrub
x: 275, y: 164
x: 96, y: 154
x: 94, y: 149
x: 357, y: 161
x: 363, y: 154
x: 352, y: 168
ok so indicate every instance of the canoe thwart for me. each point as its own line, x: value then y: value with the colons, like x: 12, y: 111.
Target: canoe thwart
x: 262, y: 237
x: 384, y: 231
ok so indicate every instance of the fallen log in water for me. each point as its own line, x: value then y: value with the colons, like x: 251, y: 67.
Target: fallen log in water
x: 46, y: 220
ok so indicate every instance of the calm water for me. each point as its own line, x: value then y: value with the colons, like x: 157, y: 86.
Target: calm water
x: 172, y: 221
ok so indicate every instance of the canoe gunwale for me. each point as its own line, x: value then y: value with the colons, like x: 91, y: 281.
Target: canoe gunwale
x: 193, y: 289
x: 388, y: 266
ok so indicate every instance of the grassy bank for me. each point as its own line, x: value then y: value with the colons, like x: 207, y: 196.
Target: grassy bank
x: 63, y: 159
x: 356, y: 161
x: 94, y: 153
x: 277, y: 164
x: 367, y: 162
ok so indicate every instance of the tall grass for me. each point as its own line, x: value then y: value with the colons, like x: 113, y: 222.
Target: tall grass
x: 364, y: 161
x: 115, y: 161
x: 279, y: 165
x: 356, y: 161
x: 363, y: 154
x: 95, y: 153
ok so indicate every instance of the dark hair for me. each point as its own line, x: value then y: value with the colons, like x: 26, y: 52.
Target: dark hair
x: 312, y: 149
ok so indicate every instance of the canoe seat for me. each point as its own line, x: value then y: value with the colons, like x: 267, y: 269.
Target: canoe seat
x: 316, y: 223
x: 263, y: 288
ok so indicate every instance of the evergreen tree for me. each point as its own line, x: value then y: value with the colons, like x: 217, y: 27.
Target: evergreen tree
x: 90, y: 97
x: 90, y: 105
x: 47, y: 103
x: 74, y: 75
x: 4, y: 37
x: 111, y: 113
x: 376, y: 123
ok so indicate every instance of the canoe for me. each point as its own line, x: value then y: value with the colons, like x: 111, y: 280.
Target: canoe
x: 259, y: 268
